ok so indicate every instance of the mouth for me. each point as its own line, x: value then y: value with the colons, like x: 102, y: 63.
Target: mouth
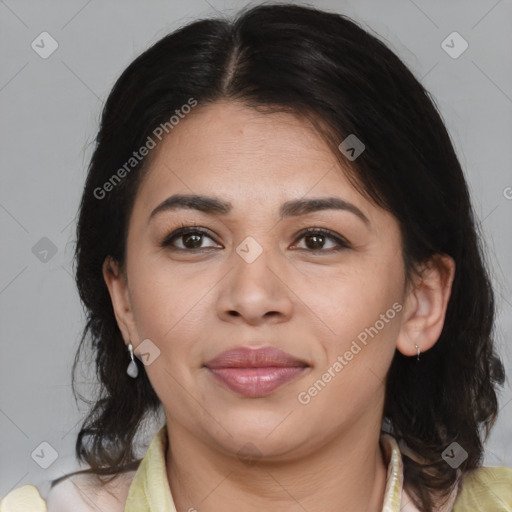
x: 255, y: 372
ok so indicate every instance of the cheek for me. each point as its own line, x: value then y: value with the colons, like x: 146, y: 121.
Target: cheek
x: 170, y: 314
x: 363, y: 307
x: 353, y: 364
x: 165, y: 306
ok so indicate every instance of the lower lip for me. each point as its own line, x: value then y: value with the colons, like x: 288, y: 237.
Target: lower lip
x: 256, y: 382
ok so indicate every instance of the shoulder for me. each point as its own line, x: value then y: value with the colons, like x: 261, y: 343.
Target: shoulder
x: 487, y: 487
x: 87, y: 492
x: 80, y: 493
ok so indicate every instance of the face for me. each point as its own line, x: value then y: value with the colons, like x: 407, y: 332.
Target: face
x: 326, y: 286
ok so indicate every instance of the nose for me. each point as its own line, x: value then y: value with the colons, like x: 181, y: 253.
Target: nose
x: 255, y: 291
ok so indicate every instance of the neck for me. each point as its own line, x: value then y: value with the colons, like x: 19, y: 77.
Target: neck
x: 347, y: 473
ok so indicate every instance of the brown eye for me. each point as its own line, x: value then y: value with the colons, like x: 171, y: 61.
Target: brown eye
x: 191, y: 239
x: 194, y: 239
x: 315, y: 240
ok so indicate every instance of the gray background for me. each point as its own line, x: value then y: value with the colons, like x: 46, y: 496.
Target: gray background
x: 49, y: 116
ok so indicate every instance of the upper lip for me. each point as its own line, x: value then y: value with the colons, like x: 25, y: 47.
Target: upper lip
x: 250, y: 357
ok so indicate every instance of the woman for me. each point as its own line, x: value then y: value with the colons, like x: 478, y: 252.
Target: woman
x: 276, y: 224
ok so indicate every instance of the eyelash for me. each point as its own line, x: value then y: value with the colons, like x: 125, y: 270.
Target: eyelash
x: 187, y: 230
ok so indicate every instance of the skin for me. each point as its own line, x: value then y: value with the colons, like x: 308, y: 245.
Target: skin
x: 322, y: 456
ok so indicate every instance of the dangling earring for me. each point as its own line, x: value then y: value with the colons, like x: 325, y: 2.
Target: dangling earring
x: 418, y: 356
x: 133, y: 370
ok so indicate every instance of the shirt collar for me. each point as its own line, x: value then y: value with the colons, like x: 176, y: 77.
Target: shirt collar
x: 150, y: 491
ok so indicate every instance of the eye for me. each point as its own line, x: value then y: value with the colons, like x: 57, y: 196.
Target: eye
x: 315, y: 239
x: 190, y: 237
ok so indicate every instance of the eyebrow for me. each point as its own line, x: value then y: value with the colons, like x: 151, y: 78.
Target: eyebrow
x: 214, y: 206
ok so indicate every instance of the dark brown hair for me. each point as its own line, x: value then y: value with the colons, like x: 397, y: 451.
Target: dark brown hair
x: 325, y: 67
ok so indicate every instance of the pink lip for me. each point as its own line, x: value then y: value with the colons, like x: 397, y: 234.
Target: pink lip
x: 255, y: 372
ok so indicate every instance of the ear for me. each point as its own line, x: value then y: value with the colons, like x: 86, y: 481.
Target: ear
x: 117, y: 284
x: 425, y: 306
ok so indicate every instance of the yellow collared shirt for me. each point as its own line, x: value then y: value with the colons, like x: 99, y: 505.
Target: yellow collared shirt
x: 486, y: 489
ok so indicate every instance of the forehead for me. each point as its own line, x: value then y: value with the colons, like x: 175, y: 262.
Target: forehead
x: 259, y: 164
x: 228, y: 147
